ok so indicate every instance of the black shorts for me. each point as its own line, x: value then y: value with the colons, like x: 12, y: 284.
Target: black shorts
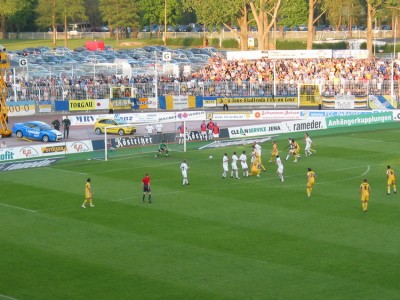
x: 146, y: 189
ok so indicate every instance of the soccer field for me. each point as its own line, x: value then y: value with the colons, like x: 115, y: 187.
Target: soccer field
x: 253, y: 238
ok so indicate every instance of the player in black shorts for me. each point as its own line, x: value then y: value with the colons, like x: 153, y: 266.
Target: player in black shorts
x: 146, y: 187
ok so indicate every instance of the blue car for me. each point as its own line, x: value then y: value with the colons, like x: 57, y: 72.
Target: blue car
x: 37, y: 130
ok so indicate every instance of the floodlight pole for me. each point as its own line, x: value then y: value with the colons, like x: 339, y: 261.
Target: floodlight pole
x: 184, y: 134
x: 393, y: 59
x: 105, y: 144
x: 156, y: 77
x: 15, y: 87
x: 165, y: 23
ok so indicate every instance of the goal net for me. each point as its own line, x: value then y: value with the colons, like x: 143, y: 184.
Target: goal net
x: 146, y: 139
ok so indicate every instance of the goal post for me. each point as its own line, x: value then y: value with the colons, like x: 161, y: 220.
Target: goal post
x: 146, y: 139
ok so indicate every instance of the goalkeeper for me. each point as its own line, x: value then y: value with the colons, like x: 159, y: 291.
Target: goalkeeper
x: 162, y: 148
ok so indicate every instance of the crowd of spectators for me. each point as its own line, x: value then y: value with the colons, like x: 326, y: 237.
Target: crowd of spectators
x: 230, y: 77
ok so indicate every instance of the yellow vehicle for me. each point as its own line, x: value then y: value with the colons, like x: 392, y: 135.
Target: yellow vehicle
x: 4, y: 65
x: 119, y: 126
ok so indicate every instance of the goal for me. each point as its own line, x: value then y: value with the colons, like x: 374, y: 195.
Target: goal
x: 146, y: 139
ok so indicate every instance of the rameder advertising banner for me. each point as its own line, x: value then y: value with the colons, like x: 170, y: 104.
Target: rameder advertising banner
x: 365, y: 119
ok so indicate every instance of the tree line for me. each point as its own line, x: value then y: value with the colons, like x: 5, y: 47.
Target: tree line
x: 264, y: 15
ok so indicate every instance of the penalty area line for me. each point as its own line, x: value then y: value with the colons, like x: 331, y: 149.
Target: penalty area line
x: 5, y: 297
x: 17, y: 207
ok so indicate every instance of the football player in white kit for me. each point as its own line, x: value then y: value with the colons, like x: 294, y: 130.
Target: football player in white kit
x: 307, y: 150
x: 234, y: 171
x: 243, y: 162
x: 184, y: 168
x: 279, y: 171
x: 225, y: 166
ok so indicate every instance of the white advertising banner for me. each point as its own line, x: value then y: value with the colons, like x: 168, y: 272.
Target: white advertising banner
x: 344, y: 104
x: 234, y: 115
x: 277, y: 114
x: 304, y: 125
x: 102, y: 103
x: 181, y: 102
x: 255, y: 130
x: 40, y: 150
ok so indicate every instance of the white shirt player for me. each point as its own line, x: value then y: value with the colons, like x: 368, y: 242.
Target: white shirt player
x: 243, y: 161
x: 307, y: 149
x: 234, y: 162
x: 234, y: 171
x: 149, y: 129
x: 279, y: 171
x: 258, y: 148
x: 225, y: 166
x: 184, y: 167
x: 159, y: 128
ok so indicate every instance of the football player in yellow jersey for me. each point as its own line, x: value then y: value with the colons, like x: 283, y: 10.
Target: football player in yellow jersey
x: 365, y: 191
x: 391, y: 180
x: 256, y: 166
x: 274, y: 152
x: 88, y: 194
x: 296, y: 150
x: 310, y: 181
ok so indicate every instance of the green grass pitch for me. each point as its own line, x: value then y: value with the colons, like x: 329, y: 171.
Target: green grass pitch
x: 253, y: 238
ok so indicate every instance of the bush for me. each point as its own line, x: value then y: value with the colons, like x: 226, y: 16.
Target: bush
x: 290, y: 45
x: 334, y: 46
x: 214, y: 42
x: 185, y: 42
x: 230, y: 43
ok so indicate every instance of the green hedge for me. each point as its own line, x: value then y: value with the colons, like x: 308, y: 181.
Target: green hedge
x: 185, y: 42
x: 290, y: 45
x: 230, y: 43
x: 334, y: 46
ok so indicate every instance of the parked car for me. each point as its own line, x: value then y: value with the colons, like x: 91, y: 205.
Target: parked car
x: 120, y: 128
x: 37, y: 130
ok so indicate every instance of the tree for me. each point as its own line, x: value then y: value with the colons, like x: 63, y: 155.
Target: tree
x: 341, y: 12
x: 119, y: 14
x: 71, y: 10
x: 313, y: 6
x: 392, y: 8
x: 52, y: 12
x: 372, y: 7
x: 8, y: 9
x: 207, y: 13
x: 293, y: 12
x: 262, y: 11
x: 22, y: 18
x: 48, y: 16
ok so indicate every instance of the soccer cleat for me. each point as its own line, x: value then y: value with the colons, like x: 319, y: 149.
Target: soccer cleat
x: 237, y: 178
x: 91, y: 205
x: 258, y: 175
x: 295, y: 160
x: 388, y: 194
x: 83, y: 206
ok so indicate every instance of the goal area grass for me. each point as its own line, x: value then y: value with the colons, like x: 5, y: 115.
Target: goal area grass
x: 247, y: 238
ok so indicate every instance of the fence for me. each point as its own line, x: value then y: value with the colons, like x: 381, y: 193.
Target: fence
x: 208, y: 88
x: 222, y: 35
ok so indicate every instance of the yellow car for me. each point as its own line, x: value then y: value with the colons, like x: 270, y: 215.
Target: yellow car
x: 121, y: 127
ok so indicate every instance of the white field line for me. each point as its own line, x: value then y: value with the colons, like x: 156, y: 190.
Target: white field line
x: 5, y: 297
x: 17, y: 207
x: 67, y: 171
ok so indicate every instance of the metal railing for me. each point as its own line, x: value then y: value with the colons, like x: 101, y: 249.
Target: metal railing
x: 58, y: 91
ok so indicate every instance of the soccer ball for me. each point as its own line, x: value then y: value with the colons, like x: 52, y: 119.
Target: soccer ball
x: 210, y: 157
